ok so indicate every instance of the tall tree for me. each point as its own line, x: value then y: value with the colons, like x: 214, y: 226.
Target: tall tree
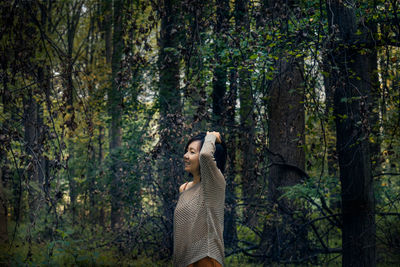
x: 353, y: 71
x: 73, y: 15
x: 33, y: 134
x: 247, y: 119
x: 286, y: 139
x: 105, y: 25
x: 115, y: 102
x: 220, y: 71
x: 224, y: 114
x: 3, y: 208
x: 374, y: 106
x: 170, y: 123
x: 196, y: 25
x: 329, y: 129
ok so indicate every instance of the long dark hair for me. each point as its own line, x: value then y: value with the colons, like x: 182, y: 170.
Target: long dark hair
x: 220, y: 150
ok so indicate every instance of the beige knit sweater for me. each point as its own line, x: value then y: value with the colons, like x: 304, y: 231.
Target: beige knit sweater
x: 199, y: 213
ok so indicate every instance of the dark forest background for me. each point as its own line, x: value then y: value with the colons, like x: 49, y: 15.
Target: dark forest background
x: 99, y: 97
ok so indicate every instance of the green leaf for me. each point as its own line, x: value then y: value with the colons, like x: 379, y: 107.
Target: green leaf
x: 254, y: 56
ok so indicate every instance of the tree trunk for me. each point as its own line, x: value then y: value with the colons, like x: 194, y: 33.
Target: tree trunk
x: 286, y: 139
x: 72, y: 17
x: 230, y: 232
x: 330, y: 125
x: 247, y: 123
x: 105, y: 26
x: 6, y: 97
x: 32, y: 149
x: 30, y: 119
x: 374, y: 120
x: 286, y: 126
x: 330, y: 130
x: 171, y: 151
x: 102, y: 219
x: 220, y: 71
x: 195, y: 89
x: 3, y: 210
x: 224, y: 117
x: 353, y: 86
x: 115, y: 111
x: 43, y: 162
x: 106, y: 10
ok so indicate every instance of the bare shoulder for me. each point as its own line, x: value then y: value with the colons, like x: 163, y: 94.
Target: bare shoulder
x: 182, y: 187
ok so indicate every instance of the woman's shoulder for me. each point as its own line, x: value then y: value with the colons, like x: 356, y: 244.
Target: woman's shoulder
x: 183, y: 187
x: 186, y: 186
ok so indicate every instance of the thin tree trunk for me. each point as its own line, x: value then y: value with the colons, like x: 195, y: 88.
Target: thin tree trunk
x: 72, y: 17
x: 330, y: 130
x: 247, y: 123
x: 170, y: 163
x: 30, y: 119
x: 374, y: 96
x: 32, y: 163
x: 102, y: 220
x: 43, y: 161
x: 106, y: 10
x: 3, y: 210
x: 6, y: 97
x: 115, y: 110
x: 330, y: 125
x: 220, y: 71
x: 224, y: 117
x: 230, y: 232
x: 195, y: 90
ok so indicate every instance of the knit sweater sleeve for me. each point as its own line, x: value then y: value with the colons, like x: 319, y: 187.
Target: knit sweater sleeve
x: 212, y: 179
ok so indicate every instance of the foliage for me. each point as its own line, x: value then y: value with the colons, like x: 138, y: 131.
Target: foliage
x: 56, y: 159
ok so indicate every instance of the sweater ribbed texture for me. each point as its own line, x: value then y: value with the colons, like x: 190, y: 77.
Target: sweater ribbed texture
x: 199, y: 213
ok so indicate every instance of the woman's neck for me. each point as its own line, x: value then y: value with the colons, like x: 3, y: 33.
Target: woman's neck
x: 196, y: 178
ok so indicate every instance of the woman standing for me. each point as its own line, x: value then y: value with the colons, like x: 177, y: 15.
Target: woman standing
x: 199, y: 213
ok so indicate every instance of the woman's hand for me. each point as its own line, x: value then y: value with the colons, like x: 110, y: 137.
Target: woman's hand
x: 217, y: 135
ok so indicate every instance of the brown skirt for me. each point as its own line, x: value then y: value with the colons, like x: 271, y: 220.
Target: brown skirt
x: 206, y: 262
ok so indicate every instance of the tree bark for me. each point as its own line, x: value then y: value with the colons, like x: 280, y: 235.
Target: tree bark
x: 73, y: 17
x: 330, y: 131
x: 115, y: 110
x: 353, y: 66
x: 247, y: 123
x: 286, y: 139
x: 230, y: 232
x: 30, y: 131
x: 330, y: 125
x: 374, y: 106
x: 224, y: 117
x: 106, y: 10
x: 3, y: 210
x: 195, y: 89
x: 170, y: 127
x: 220, y: 71
x: 286, y: 126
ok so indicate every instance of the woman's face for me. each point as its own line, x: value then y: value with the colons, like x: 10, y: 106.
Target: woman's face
x: 191, y: 158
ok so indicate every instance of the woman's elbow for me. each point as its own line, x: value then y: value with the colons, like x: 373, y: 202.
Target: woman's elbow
x: 206, y: 157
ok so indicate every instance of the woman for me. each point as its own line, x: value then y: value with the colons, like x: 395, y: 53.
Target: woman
x: 199, y: 213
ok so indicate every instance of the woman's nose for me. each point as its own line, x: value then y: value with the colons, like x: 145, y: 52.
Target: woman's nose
x: 185, y: 156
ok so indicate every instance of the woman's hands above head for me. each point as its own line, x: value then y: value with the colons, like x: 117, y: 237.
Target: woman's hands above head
x: 217, y: 135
